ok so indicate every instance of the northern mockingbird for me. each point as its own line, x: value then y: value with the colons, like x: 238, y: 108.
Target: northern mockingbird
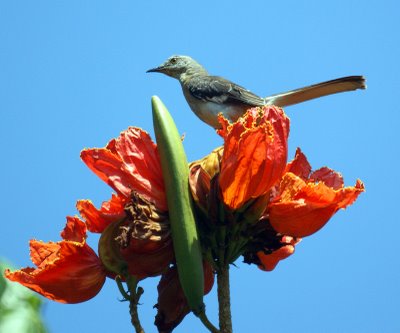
x: 209, y: 95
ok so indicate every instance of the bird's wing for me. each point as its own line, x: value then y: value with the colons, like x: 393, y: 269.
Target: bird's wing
x: 219, y: 90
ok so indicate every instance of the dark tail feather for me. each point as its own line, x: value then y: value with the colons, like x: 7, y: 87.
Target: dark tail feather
x: 342, y: 84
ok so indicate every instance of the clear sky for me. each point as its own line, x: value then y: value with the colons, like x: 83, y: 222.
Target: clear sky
x: 72, y: 75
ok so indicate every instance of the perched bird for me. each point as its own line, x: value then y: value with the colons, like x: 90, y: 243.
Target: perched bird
x: 209, y: 95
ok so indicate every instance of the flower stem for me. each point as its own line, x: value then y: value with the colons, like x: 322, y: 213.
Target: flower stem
x: 134, y: 296
x: 206, y: 322
x: 224, y: 300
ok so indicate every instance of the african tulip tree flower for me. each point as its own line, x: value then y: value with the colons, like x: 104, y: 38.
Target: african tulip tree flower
x: 267, y: 205
x: 250, y: 162
x: 255, y: 154
x: 68, y: 271
x: 237, y: 179
x: 130, y: 165
x: 307, y: 200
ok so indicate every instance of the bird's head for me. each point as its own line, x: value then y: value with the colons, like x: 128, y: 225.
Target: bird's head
x: 177, y: 65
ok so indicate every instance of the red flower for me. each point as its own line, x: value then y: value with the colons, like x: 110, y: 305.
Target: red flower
x: 307, y: 200
x: 251, y: 161
x: 130, y: 165
x: 268, y: 200
x: 255, y: 154
x: 68, y: 271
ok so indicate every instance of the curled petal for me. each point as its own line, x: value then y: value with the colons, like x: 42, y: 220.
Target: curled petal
x: 74, y: 230
x: 255, y: 153
x: 270, y: 261
x: 299, y: 165
x: 111, y: 146
x: 304, y: 208
x: 199, y: 181
x: 201, y: 174
x: 329, y: 177
x: 43, y: 254
x: 67, y: 272
x: 211, y: 164
x: 98, y: 219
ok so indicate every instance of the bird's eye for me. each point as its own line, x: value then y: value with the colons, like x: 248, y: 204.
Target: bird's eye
x: 173, y: 60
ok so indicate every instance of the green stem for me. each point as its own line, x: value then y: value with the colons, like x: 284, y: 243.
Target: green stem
x: 121, y: 289
x: 202, y: 316
x: 134, y: 296
x: 224, y: 300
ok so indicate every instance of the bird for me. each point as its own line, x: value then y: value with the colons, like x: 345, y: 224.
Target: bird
x: 209, y: 95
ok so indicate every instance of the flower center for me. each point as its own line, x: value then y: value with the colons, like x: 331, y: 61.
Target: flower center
x: 144, y: 221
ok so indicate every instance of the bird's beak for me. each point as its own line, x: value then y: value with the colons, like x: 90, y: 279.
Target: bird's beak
x: 155, y: 70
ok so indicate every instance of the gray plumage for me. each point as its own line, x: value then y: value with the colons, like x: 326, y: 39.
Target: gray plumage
x: 209, y: 95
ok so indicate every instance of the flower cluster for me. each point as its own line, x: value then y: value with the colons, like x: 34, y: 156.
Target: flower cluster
x: 249, y: 202
x: 267, y: 204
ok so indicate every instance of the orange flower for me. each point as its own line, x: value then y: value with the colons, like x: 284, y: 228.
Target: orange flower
x: 68, y: 271
x: 265, y: 199
x: 306, y: 201
x: 130, y: 165
x: 255, y: 154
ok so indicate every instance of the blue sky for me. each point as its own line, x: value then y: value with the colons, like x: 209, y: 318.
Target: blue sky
x: 72, y: 75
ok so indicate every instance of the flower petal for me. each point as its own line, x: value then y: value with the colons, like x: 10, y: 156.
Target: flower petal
x: 199, y: 181
x: 68, y: 272
x: 304, y: 208
x: 140, y: 159
x: 98, y: 219
x: 129, y: 163
x: 330, y: 178
x: 107, y: 166
x: 270, y: 261
x: 43, y: 254
x: 299, y: 165
x: 255, y: 153
x: 201, y: 174
x: 74, y: 230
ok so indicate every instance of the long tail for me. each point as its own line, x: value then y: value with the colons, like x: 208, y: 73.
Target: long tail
x: 342, y: 84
